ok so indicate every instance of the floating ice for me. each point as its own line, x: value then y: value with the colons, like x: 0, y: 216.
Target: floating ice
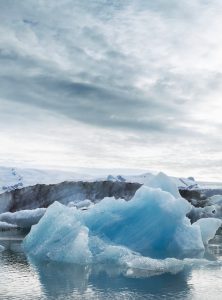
x: 2, y: 248
x: 208, y: 228
x: 85, y: 204
x: 216, y: 199
x: 23, y: 218
x: 153, y: 223
x: 210, y: 211
x: 5, y: 226
x: 59, y: 236
x: 197, y: 213
x: 165, y: 183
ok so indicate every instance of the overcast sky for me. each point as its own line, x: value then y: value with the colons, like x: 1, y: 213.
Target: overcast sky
x: 112, y: 84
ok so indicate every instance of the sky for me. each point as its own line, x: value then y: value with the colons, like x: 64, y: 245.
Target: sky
x: 112, y: 84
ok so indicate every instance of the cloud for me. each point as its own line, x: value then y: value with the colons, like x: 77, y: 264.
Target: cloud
x: 144, y: 71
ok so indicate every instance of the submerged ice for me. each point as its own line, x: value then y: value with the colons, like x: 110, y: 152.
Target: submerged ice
x: 135, y: 233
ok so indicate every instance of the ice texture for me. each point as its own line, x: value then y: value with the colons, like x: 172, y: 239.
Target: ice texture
x: 210, y: 211
x: 5, y: 226
x: 59, y: 236
x: 2, y: 248
x: 81, y: 205
x: 153, y: 224
x: 23, y: 218
x: 134, y: 234
x: 216, y: 199
x: 165, y: 183
x: 208, y: 228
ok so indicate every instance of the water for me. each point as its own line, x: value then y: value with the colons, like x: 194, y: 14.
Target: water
x: 21, y: 278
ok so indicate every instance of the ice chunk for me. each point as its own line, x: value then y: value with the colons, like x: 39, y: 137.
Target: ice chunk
x: 190, y: 240
x: 2, y: 248
x: 216, y: 199
x: 83, y: 204
x: 208, y: 228
x: 23, y: 218
x: 211, y: 211
x: 6, y: 226
x: 165, y: 183
x: 139, y: 267
x: 59, y: 236
x: 197, y: 213
x: 135, y: 265
x: 186, y: 183
x: 153, y: 223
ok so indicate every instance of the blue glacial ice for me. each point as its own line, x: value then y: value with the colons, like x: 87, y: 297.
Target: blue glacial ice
x: 135, y: 234
x: 165, y: 183
x: 208, y: 228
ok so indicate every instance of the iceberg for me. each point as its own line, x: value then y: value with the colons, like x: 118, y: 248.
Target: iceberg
x: 208, y: 228
x: 165, y: 183
x: 152, y: 225
x: 23, y: 218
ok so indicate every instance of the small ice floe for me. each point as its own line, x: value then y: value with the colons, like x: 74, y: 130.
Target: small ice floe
x: 23, y: 218
x: 83, y: 205
x: 4, y: 226
x: 187, y: 183
x: 2, y: 248
x: 208, y: 228
x: 11, y: 237
x: 216, y: 199
x: 209, y: 211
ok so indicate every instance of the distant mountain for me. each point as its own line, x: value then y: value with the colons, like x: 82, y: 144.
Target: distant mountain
x: 15, y: 178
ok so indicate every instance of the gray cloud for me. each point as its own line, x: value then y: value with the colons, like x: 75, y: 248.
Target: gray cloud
x: 86, y: 102
x: 149, y: 71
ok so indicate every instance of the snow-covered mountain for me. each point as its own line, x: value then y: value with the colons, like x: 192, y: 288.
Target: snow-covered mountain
x: 40, y: 188
x: 146, y: 178
x: 10, y: 180
x: 16, y: 178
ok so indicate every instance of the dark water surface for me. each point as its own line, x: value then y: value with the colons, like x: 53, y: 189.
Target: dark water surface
x: 21, y: 278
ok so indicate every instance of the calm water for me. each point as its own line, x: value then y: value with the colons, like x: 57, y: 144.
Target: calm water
x: 22, y: 279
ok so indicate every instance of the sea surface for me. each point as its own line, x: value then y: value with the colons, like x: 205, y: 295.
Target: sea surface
x: 22, y: 278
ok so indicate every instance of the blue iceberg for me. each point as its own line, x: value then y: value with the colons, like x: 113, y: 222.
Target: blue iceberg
x: 152, y: 225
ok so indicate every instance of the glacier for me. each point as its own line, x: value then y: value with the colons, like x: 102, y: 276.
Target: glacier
x: 150, y: 230
x: 12, y: 179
